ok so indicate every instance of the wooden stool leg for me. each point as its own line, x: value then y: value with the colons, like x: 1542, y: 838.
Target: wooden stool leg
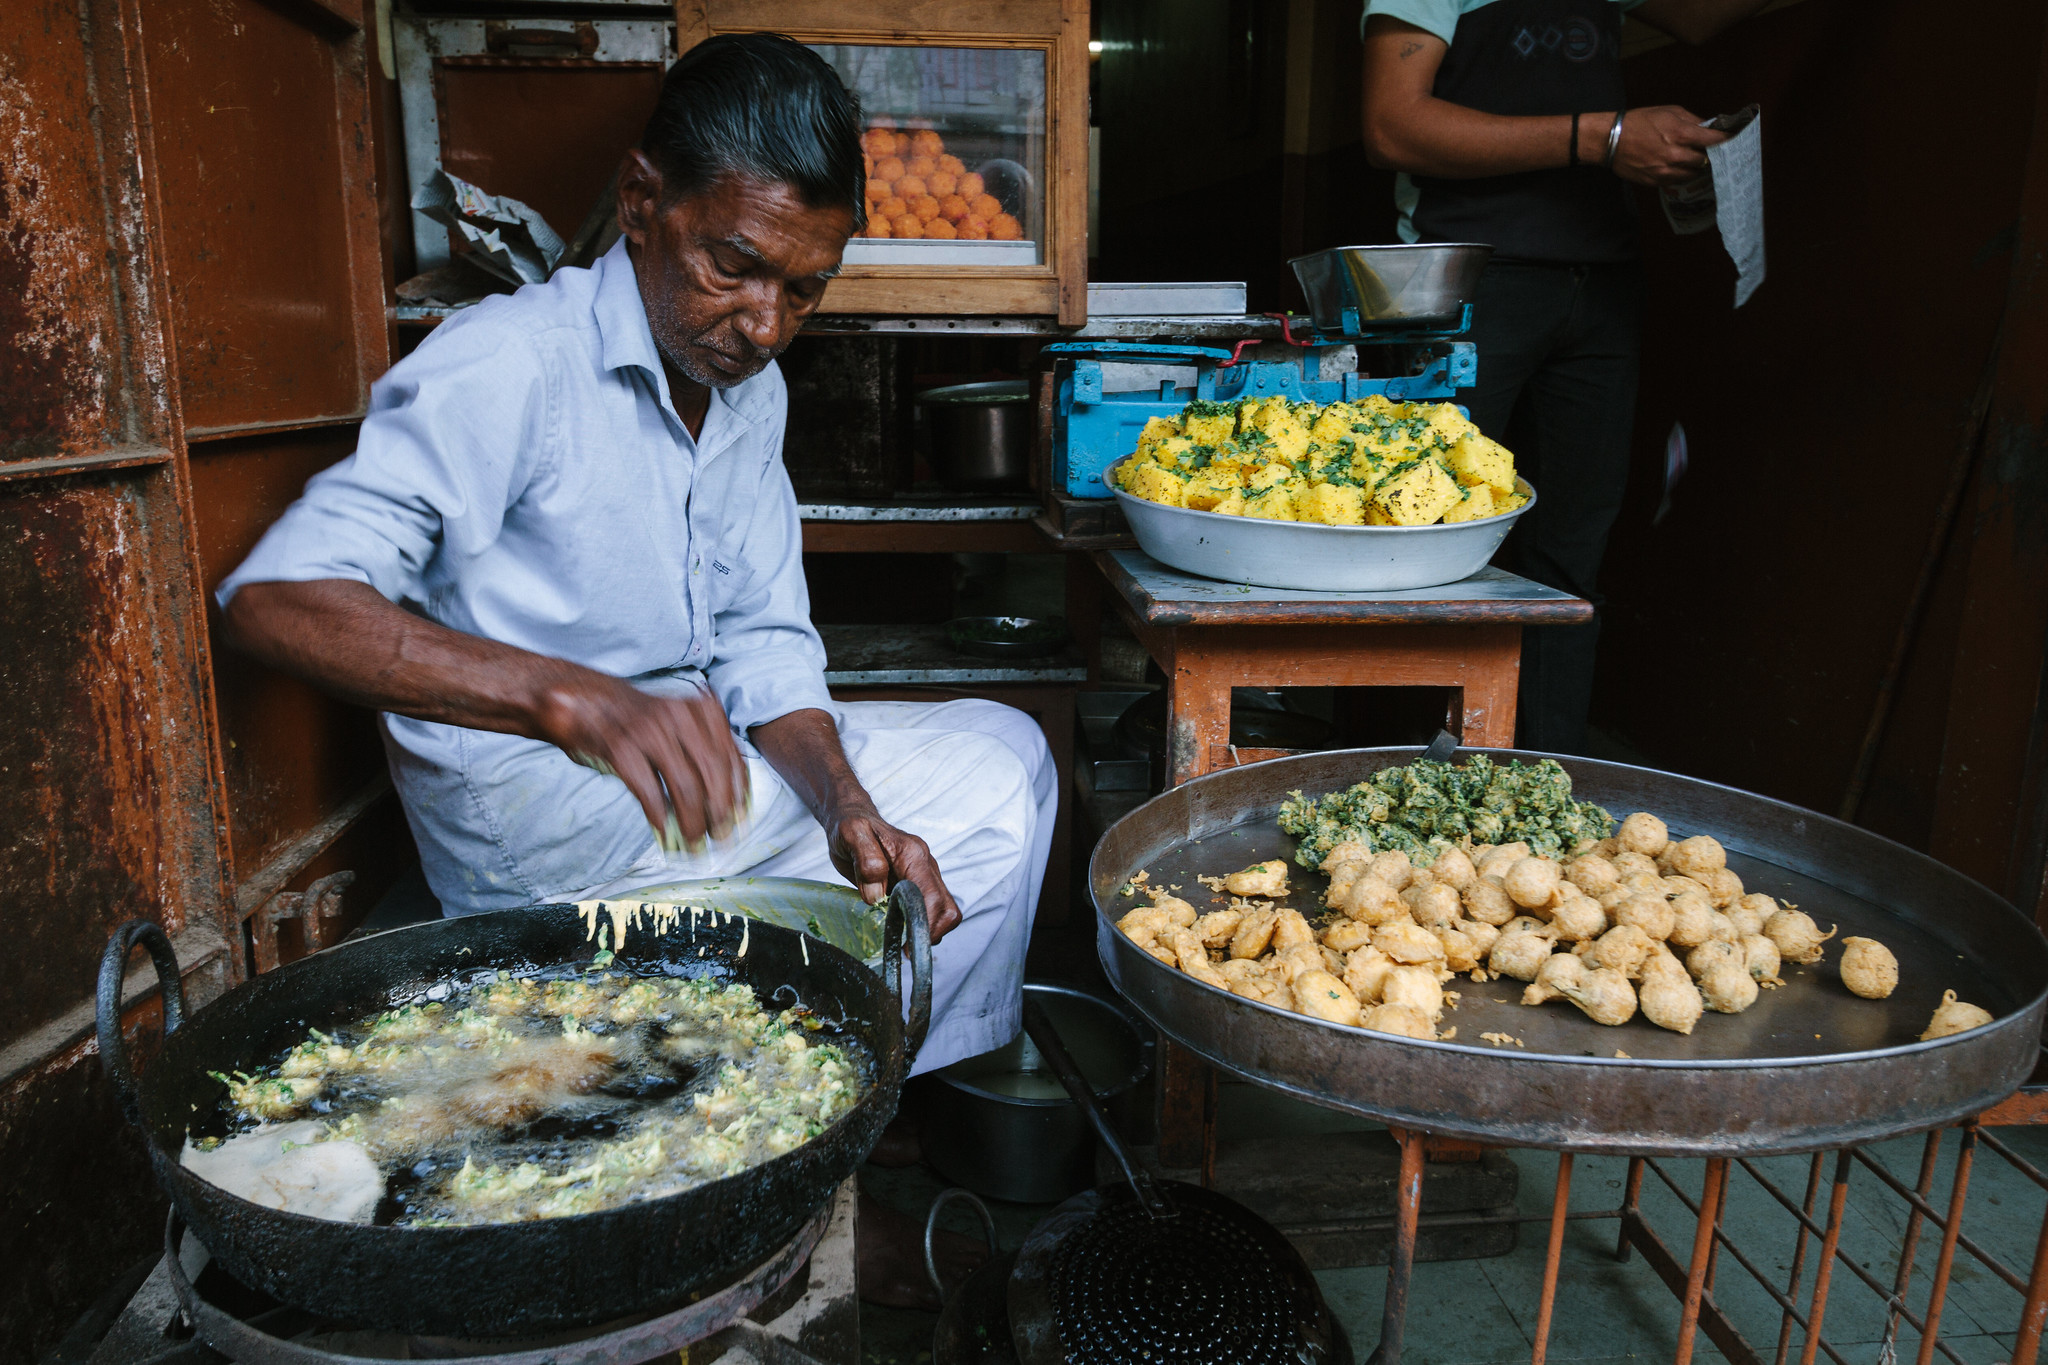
x: 1493, y: 672
x: 1197, y: 714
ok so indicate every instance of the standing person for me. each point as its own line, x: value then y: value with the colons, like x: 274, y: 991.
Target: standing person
x: 1507, y: 122
x: 566, y: 534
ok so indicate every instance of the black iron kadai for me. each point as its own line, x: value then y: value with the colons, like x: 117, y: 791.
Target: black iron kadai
x: 513, y: 1279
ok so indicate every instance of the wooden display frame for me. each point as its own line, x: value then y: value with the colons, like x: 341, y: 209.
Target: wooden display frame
x: 1059, y: 29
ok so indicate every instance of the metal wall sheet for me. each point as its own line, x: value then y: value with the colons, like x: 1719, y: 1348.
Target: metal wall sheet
x: 70, y: 380
x: 103, y: 756
x: 261, y: 128
x: 291, y: 754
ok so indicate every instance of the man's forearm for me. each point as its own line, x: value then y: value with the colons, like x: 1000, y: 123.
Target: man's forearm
x: 803, y: 747
x: 347, y: 639
x: 1429, y: 136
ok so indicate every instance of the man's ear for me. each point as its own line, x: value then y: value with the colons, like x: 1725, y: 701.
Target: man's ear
x: 639, y: 196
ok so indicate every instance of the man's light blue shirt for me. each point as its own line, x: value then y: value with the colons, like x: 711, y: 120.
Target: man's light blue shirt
x: 524, y: 477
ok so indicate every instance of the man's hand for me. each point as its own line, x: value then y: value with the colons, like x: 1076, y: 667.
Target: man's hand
x: 1661, y: 145
x: 673, y: 753
x: 873, y: 854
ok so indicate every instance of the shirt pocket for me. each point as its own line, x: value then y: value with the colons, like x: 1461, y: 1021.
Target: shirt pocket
x: 728, y: 578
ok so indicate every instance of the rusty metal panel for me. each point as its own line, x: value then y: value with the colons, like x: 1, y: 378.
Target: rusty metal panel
x: 502, y: 127
x: 291, y: 754
x: 98, y: 758
x: 265, y: 177
x: 73, y: 380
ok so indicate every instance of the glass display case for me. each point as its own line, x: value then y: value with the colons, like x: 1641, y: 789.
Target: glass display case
x: 975, y: 134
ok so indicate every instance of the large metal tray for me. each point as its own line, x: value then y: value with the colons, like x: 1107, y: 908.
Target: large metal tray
x: 1809, y: 1066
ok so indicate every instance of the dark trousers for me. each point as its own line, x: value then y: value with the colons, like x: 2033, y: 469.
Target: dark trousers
x: 1558, y: 348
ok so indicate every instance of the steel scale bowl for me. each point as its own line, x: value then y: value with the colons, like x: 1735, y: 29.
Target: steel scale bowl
x: 1810, y: 1066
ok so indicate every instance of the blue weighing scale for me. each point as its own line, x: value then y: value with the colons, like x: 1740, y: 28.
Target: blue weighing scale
x: 1092, y: 430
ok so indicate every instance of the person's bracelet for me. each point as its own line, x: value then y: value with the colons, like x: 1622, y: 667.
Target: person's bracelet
x: 1574, y: 159
x: 1614, y: 137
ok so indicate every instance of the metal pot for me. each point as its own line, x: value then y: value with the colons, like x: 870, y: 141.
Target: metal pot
x: 508, y: 1279
x: 1002, y: 1125
x: 978, y: 436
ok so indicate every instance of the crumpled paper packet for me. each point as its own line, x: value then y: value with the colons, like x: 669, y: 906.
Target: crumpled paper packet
x: 504, y: 236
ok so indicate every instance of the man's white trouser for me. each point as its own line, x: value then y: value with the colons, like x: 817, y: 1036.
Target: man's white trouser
x: 975, y: 781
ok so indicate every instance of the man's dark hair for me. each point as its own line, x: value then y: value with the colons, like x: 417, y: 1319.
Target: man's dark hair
x: 762, y: 106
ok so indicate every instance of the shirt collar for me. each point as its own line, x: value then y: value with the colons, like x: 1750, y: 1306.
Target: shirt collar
x: 626, y: 340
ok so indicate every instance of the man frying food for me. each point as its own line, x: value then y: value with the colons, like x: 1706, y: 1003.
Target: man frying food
x: 564, y: 564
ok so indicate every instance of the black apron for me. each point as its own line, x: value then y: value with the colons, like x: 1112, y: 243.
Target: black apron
x: 1534, y: 57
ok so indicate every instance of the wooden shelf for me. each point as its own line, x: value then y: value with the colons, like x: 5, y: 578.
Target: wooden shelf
x: 992, y: 526
x: 901, y: 656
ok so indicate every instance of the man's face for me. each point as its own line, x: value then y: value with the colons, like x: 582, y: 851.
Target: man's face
x: 728, y: 275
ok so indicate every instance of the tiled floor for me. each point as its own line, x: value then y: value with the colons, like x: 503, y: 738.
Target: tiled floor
x: 1469, y: 1312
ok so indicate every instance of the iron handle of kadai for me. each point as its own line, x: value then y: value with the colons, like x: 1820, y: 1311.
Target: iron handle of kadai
x: 905, y: 915
x: 107, y: 1003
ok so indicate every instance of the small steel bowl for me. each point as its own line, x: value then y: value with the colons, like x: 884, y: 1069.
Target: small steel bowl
x: 1310, y: 556
x: 1425, y: 285
x: 1007, y: 637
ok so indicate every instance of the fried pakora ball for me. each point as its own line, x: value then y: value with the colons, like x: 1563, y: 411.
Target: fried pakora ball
x: 1368, y: 900
x: 1290, y: 930
x: 1365, y: 972
x: 972, y: 229
x: 1346, y: 851
x: 1433, y: 906
x: 1621, y: 949
x: 1416, y: 987
x: 1487, y: 902
x: 1692, y: 921
x: 1724, y: 887
x: 1763, y: 960
x: 1393, y: 868
x: 1628, y: 862
x: 1143, y: 927
x: 1593, y: 874
x: 1345, y: 935
x: 1551, y: 977
x: 906, y: 225
x: 1750, y: 912
x: 981, y: 204
x: 1268, y: 879
x: 1461, y: 951
x: 1697, y: 856
x: 926, y: 142
x: 1670, y: 1001
x: 923, y: 167
x: 1254, y: 934
x: 877, y: 190
x: 1715, y: 953
x: 890, y: 169
x: 1577, y: 918
x: 1954, y: 1016
x: 1193, y: 958
x: 1453, y: 867
x: 1530, y: 882
x: 1603, y: 995
x: 1520, y: 955
x: 1728, y: 988
x: 1651, y: 914
x: 1324, y: 997
x: 1643, y: 833
x: 1004, y: 228
x: 971, y: 189
x: 1498, y: 859
x: 940, y: 230
x: 1408, y: 942
x: 1868, y: 968
x: 891, y: 209
x: 1401, y: 1020
x: 877, y: 227
x: 1798, y: 938
x: 1217, y: 927
x: 952, y: 207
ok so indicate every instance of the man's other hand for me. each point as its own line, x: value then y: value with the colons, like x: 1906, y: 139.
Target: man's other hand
x: 873, y: 854
x: 1663, y: 145
x: 673, y: 753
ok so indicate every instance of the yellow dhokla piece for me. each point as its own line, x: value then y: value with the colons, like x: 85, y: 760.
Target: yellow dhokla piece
x: 1477, y: 459
x: 1157, y: 429
x: 1277, y: 422
x: 1332, y: 504
x: 1209, y: 429
x: 1416, y: 495
x: 1271, y: 503
x: 1151, y: 482
x: 1476, y: 505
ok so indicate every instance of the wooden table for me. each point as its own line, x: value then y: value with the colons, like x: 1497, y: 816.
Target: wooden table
x: 1210, y: 636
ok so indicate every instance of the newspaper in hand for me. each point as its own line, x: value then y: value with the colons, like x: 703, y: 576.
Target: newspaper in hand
x: 1729, y: 196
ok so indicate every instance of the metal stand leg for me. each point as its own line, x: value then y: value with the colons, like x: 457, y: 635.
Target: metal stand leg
x: 1400, y: 1270
x: 1799, y: 1257
x: 1553, y: 1255
x: 1909, y: 1247
x: 1209, y: 1108
x: 2027, y: 1346
x: 1702, y: 1257
x: 1817, y: 1309
x: 1631, y: 1206
x: 1938, y: 1295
